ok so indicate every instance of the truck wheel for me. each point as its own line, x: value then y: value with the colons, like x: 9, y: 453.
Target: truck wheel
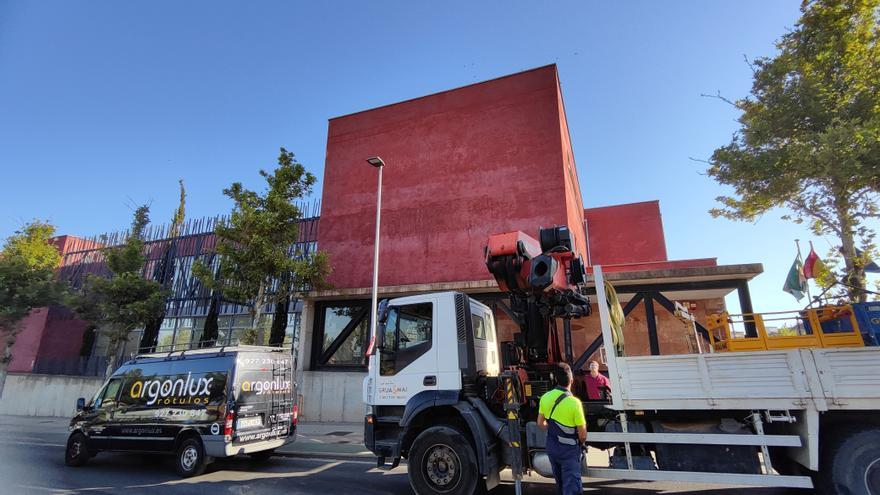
x: 190, y: 458
x: 77, y: 452
x: 852, y: 465
x: 442, y: 460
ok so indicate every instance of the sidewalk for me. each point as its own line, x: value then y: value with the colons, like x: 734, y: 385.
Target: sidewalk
x: 328, y: 439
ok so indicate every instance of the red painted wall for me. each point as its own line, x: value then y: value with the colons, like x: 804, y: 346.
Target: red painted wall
x: 27, y: 343
x: 461, y: 165
x: 623, y: 234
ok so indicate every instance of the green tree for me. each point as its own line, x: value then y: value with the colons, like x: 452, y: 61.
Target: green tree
x: 126, y: 300
x: 260, y: 261
x: 809, y: 139
x: 27, y: 281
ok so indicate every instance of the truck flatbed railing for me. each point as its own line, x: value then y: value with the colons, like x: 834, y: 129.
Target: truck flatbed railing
x: 824, y: 327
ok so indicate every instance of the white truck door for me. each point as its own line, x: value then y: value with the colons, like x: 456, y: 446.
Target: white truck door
x: 407, y: 361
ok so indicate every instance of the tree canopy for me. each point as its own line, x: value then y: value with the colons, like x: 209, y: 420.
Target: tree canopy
x: 809, y: 137
x: 261, y: 260
x: 27, y: 281
x: 27, y: 264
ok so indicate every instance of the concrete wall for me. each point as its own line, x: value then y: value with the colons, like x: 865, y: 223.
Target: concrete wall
x: 46, y: 395
x: 332, y: 396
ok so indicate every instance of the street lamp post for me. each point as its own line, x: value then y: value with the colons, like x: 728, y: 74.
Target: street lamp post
x: 378, y: 163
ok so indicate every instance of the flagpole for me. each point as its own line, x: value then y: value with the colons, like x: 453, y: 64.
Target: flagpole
x: 806, y: 280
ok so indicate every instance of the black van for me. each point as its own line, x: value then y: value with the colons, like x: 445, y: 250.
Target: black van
x: 198, y: 404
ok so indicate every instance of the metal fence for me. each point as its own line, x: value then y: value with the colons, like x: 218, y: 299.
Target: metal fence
x: 171, y: 252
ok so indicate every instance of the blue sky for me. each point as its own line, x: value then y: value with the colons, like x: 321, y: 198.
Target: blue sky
x: 106, y: 104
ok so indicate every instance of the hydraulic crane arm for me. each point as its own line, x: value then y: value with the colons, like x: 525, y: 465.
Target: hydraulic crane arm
x: 544, y: 280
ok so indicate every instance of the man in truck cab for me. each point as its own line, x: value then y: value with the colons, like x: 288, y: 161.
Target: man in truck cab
x: 562, y: 415
x: 596, y: 382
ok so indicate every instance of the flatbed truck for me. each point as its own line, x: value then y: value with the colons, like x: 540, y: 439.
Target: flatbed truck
x: 460, y: 406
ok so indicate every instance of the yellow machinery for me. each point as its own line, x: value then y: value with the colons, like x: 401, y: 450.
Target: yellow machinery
x: 828, y: 326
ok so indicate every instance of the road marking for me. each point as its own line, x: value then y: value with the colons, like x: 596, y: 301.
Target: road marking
x: 225, y: 475
x: 44, y: 444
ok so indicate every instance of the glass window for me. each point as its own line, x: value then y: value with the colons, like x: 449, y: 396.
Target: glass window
x: 411, y: 324
x: 241, y: 321
x: 108, y: 398
x: 351, y: 351
x: 414, y: 324
x: 166, y: 334
x: 292, y: 326
x: 224, y: 329
x: 490, y: 329
x: 198, y: 327
x: 479, y: 327
x: 183, y: 334
x: 336, y: 319
x: 341, y: 334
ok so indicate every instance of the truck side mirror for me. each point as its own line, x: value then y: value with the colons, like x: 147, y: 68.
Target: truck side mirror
x: 383, y: 311
x: 381, y: 317
x: 80, y: 404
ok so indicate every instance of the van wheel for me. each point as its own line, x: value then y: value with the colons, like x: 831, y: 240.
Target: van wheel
x: 77, y: 452
x: 442, y: 461
x: 852, y: 464
x: 262, y: 456
x: 190, y: 458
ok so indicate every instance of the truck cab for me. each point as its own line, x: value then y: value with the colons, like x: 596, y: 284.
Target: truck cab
x: 419, y: 349
x: 430, y: 348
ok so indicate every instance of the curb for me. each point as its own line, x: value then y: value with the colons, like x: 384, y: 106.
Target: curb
x: 329, y: 455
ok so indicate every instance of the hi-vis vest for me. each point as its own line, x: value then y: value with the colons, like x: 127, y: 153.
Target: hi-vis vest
x: 565, y: 435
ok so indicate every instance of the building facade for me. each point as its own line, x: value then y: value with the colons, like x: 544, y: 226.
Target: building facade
x: 461, y: 165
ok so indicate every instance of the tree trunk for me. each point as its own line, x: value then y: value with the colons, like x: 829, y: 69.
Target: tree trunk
x: 210, y: 330
x: 279, y: 323
x: 112, y: 356
x: 150, y: 337
x: 854, y: 276
x: 257, y: 313
x: 4, y: 363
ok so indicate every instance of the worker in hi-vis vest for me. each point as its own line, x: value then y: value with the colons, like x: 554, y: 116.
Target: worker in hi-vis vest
x: 562, y: 415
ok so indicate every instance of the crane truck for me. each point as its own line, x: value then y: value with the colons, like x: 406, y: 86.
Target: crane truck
x: 443, y: 393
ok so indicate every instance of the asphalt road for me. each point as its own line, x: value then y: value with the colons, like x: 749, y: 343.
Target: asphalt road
x: 32, y: 450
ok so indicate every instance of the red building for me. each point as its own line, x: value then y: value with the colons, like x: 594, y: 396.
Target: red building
x: 461, y: 165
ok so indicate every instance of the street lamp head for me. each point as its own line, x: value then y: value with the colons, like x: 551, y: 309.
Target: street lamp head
x: 376, y: 162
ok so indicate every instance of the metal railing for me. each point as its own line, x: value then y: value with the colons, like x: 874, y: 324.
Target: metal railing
x: 828, y: 326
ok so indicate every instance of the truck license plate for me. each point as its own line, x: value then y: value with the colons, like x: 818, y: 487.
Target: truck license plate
x: 251, y: 422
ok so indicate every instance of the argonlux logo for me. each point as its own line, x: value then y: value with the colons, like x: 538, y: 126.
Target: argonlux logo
x: 266, y: 387
x: 171, y: 391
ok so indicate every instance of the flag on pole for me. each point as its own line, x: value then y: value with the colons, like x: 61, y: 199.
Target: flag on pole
x: 813, y: 266
x: 795, y: 282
